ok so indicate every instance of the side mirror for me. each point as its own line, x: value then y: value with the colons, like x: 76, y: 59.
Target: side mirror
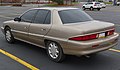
x: 17, y: 19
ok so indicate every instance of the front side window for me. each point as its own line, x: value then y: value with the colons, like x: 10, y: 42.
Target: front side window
x: 41, y: 16
x: 74, y: 16
x: 28, y: 16
x: 90, y: 3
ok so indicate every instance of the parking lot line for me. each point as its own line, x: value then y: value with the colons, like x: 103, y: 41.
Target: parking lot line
x: 114, y: 50
x: 19, y: 60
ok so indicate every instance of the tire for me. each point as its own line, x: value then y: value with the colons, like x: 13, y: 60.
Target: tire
x: 55, y: 52
x: 91, y: 8
x: 83, y: 8
x: 98, y: 9
x: 8, y: 35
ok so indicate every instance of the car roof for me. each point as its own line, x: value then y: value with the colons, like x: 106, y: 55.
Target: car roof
x: 56, y: 8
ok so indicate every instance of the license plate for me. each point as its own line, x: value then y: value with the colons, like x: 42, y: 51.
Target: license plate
x: 102, y: 35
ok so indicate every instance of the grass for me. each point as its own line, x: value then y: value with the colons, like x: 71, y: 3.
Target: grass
x: 75, y: 3
x: 108, y: 2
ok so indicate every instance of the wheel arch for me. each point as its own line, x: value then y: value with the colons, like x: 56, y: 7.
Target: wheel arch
x: 83, y: 6
x: 91, y: 6
x: 48, y: 40
x: 6, y: 26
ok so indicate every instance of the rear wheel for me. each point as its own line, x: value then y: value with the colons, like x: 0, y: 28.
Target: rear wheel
x: 91, y: 8
x: 8, y: 35
x: 98, y: 9
x: 55, y: 51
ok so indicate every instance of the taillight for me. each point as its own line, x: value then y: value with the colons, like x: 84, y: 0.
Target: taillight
x: 84, y: 38
x: 95, y: 5
x: 110, y: 32
x: 92, y: 36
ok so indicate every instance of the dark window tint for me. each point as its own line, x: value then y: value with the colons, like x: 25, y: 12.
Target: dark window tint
x: 74, y: 16
x: 48, y: 18
x: 28, y: 16
x: 97, y: 3
x: 41, y: 16
x: 90, y: 3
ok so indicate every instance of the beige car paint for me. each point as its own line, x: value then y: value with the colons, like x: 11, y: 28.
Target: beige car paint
x: 36, y: 34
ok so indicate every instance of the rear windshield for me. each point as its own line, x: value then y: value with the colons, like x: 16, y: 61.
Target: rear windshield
x: 74, y: 16
x: 97, y: 3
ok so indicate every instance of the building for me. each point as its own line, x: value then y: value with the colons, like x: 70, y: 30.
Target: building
x: 37, y: 1
x: 34, y: 1
x: 12, y: 1
x: 16, y: 1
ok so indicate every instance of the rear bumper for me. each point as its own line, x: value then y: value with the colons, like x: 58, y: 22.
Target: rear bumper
x: 84, y: 48
x: 95, y: 50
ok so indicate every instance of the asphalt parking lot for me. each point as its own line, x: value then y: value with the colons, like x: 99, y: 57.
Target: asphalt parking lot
x: 35, y: 57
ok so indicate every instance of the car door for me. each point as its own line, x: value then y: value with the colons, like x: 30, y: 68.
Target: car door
x: 40, y: 27
x: 86, y: 5
x: 21, y: 27
x: 89, y: 4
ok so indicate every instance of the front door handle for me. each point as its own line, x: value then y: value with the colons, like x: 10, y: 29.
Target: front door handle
x: 43, y: 29
x: 25, y: 27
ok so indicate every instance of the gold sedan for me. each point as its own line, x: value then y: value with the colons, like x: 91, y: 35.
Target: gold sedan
x: 61, y: 31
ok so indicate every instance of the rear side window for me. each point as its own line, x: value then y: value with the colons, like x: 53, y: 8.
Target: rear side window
x: 41, y: 16
x: 28, y: 16
x: 74, y: 16
x: 48, y: 18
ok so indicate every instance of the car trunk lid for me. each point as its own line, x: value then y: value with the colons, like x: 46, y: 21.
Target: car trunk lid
x: 91, y: 26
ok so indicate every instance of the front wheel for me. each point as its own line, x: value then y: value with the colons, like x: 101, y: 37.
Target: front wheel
x: 55, y: 51
x: 8, y: 35
x: 83, y: 8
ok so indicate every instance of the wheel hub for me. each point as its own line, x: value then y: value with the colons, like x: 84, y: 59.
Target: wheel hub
x: 8, y: 35
x: 53, y: 50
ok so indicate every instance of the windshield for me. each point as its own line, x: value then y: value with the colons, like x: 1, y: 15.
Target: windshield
x: 74, y: 16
